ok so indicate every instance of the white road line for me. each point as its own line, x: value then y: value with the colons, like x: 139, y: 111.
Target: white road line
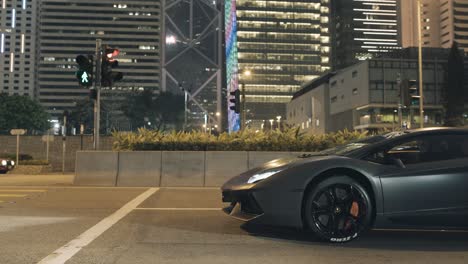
x: 13, y: 195
x: 25, y: 190
x: 421, y: 230
x: 66, y: 252
x: 177, y: 209
x: 190, y: 188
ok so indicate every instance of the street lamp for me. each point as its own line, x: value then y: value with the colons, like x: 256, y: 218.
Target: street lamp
x: 271, y: 123
x: 185, y: 104
x: 245, y: 73
x: 421, y: 99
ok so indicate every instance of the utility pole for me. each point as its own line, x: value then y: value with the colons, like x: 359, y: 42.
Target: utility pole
x: 400, y: 102
x: 97, y: 101
x: 64, y: 140
x: 243, y: 110
x: 421, y: 98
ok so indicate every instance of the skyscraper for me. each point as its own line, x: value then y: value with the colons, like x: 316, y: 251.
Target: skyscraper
x: 362, y: 29
x: 443, y: 22
x: 17, y: 47
x: 68, y: 28
x: 430, y: 23
x: 282, y: 44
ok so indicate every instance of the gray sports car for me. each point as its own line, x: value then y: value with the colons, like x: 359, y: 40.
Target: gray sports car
x: 406, y: 180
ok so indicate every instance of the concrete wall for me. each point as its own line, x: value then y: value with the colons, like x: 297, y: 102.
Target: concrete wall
x: 167, y: 168
x: 34, y: 146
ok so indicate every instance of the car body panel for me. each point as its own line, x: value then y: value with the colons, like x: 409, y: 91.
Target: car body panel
x: 404, y: 197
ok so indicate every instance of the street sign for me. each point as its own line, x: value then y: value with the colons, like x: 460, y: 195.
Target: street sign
x: 18, y: 132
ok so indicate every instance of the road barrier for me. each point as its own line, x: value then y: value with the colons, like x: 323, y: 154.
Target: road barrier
x: 167, y: 168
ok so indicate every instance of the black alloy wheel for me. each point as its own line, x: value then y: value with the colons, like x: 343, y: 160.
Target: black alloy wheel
x: 338, y: 209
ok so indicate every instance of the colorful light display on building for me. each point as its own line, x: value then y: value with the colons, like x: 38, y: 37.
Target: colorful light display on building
x: 232, y: 71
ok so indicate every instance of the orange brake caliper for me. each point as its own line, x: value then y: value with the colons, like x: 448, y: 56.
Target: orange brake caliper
x: 355, y: 209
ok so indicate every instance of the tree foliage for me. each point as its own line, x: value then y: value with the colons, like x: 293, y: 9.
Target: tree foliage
x: 163, y: 111
x: 454, y: 92
x: 22, y: 112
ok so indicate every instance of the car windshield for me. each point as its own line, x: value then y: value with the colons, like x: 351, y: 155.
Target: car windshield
x: 350, y: 147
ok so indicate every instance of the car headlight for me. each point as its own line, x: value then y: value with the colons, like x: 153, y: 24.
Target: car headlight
x: 12, y: 163
x: 263, y: 175
x: 4, y: 162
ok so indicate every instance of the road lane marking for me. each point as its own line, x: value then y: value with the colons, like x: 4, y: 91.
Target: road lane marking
x: 421, y: 230
x: 66, y: 252
x: 13, y: 195
x: 178, y: 209
x: 190, y: 188
x: 22, y: 190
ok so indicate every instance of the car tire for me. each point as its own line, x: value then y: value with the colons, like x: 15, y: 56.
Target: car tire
x: 338, y: 209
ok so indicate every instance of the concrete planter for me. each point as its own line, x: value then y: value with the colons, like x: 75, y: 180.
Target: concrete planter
x: 167, y: 168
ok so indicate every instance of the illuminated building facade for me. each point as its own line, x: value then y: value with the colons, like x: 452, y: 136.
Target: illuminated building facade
x: 17, y: 47
x: 282, y: 44
x: 68, y: 28
x: 443, y: 22
x: 363, y: 29
x: 232, y: 72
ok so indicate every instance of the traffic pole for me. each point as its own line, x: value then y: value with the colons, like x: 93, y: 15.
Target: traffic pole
x: 97, y: 86
x: 64, y: 142
x: 17, y: 149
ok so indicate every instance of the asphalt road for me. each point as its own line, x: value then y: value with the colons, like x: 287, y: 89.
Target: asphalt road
x: 181, y: 225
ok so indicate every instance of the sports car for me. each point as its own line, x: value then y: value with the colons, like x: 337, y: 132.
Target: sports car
x: 6, y: 165
x: 405, y: 180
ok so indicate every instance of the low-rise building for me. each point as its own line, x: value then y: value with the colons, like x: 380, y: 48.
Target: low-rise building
x: 366, y: 96
x: 308, y: 108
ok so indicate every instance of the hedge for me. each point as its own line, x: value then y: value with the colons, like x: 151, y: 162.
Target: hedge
x: 290, y: 140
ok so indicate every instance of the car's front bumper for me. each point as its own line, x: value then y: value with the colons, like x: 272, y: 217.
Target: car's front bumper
x: 243, y: 205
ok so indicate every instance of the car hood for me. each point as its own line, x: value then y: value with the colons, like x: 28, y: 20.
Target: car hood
x: 240, y: 181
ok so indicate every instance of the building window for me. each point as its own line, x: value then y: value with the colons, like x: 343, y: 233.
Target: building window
x: 334, y: 99
x: 355, y: 74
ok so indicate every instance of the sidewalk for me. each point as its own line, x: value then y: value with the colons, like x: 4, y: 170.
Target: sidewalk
x: 36, y: 180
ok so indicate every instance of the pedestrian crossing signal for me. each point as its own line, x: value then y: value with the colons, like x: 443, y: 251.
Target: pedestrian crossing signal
x: 84, y: 75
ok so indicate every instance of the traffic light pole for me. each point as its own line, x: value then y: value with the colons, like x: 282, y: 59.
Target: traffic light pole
x: 400, y: 103
x: 243, y: 112
x: 97, y: 86
x: 421, y: 82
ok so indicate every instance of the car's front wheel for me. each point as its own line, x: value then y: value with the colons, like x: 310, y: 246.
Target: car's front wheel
x: 338, y: 209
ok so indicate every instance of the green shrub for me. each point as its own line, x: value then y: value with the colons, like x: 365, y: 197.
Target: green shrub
x: 35, y: 162
x: 248, y: 140
x: 13, y: 156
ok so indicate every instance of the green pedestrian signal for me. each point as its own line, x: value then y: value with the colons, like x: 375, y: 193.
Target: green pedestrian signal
x: 84, y: 75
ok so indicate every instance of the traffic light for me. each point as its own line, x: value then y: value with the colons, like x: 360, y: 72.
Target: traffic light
x: 236, y: 100
x: 413, y: 91
x: 84, y: 75
x: 108, y: 76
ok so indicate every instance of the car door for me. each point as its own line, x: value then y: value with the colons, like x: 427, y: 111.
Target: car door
x: 431, y: 190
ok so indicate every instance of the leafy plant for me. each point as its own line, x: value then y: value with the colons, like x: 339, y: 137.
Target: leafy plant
x: 13, y: 156
x: 248, y: 140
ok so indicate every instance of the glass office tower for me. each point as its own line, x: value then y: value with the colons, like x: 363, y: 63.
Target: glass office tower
x: 362, y: 29
x: 282, y: 44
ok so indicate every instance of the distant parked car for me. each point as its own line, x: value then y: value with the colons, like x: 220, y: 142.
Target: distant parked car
x: 6, y: 165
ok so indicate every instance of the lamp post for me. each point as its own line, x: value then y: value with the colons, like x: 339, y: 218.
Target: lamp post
x: 421, y: 98
x: 245, y: 73
x: 185, y: 104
